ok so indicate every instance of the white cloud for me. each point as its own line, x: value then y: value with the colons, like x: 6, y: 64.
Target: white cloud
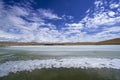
x: 97, y: 20
x: 75, y: 25
x: 32, y: 26
x: 113, y: 29
x: 111, y: 13
x: 19, y: 11
x: 27, y: 31
x: 70, y: 17
x: 104, y: 17
x: 49, y: 14
x: 114, y: 5
x: 98, y: 3
x: 101, y: 18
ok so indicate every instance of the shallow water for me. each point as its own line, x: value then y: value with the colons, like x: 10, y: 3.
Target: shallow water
x: 13, y: 58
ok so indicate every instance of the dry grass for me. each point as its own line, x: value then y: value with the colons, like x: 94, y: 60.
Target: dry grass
x: 106, y: 42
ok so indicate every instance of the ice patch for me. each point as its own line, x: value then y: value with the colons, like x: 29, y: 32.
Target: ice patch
x: 14, y: 66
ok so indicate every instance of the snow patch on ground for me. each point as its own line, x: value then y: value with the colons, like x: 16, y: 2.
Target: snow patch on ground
x: 29, y: 65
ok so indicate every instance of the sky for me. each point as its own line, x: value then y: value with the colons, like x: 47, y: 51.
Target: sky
x: 59, y: 20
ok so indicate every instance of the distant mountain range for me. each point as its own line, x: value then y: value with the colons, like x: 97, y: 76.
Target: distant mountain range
x: 115, y: 41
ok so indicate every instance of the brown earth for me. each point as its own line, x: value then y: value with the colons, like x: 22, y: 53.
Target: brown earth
x: 106, y: 42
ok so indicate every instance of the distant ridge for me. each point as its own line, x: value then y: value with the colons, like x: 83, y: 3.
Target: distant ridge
x: 111, y: 41
x: 115, y: 41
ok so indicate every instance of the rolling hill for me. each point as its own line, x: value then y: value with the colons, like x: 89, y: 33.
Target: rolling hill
x: 115, y: 41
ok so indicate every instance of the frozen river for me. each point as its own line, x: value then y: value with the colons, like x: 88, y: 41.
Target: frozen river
x: 25, y: 58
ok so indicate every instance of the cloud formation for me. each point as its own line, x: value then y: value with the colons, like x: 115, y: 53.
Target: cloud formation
x: 99, y: 19
x: 24, y: 24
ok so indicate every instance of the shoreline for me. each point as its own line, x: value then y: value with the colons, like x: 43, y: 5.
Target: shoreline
x: 115, y: 41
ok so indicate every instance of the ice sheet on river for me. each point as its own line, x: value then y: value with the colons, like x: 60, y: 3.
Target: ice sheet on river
x: 29, y: 65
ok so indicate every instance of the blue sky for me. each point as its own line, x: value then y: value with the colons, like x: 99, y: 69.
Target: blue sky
x: 59, y: 20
